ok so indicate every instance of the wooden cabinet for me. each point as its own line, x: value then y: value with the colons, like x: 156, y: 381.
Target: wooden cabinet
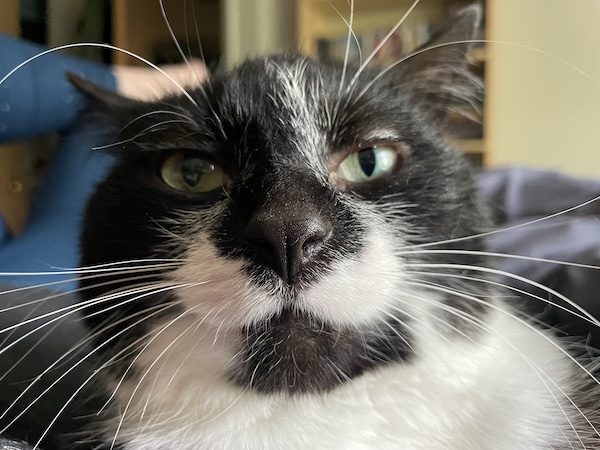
x: 142, y: 27
x: 9, y: 19
x: 14, y: 167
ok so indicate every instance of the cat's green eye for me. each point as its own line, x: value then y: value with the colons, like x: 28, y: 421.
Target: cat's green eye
x: 192, y: 174
x: 368, y: 164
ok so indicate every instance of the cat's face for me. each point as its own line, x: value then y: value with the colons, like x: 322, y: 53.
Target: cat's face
x: 286, y: 201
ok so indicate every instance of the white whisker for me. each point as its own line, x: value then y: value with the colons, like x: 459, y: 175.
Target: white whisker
x: 527, y: 360
x: 172, y: 34
x: 107, y: 46
x: 506, y: 255
x: 88, y: 339
x: 508, y: 287
x: 386, y: 38
x: 567, y: 300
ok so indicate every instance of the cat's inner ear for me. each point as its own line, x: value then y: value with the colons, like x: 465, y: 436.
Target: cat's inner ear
x: 438, y: 70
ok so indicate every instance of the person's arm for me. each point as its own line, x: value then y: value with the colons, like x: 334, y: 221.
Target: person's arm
x: 38, y: 98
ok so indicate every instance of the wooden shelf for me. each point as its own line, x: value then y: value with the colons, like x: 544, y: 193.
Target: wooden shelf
x: 9, y: 19
x: 144, y: 36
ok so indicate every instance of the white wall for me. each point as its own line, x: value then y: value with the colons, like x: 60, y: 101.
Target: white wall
x: 543, y: 104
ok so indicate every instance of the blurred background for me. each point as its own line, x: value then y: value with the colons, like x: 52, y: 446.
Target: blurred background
x: 540, y: 64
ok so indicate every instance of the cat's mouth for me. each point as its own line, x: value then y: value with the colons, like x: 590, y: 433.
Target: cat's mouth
x: 293, y: 352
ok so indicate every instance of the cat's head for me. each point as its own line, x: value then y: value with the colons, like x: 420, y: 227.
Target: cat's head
x: 284, y: 200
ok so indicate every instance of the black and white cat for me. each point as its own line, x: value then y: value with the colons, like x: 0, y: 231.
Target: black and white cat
x: 310, y: 271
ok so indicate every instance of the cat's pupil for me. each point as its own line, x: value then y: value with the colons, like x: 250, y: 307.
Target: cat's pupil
x: 193, y: 169
x: 367, y: 161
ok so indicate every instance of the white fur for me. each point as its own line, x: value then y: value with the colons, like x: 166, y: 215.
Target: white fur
x: 500, y: 393
x: 228, y: 298
x: 461, y: 396
x: 298, y: 98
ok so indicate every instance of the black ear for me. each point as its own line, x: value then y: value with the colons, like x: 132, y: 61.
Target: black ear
x: 438, y: 71
x: 104, y: 101
x: 119, y: 118
x: 133, y: 124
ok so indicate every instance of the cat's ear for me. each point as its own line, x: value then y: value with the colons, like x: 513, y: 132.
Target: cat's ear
x: 103, y: 102
x: 114, y: 114
x: 439, y: 70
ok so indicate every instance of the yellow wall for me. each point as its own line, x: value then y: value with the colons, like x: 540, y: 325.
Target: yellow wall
x: 541, y: 111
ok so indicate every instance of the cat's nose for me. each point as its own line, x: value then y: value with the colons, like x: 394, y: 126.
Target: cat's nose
x: 287, y: 246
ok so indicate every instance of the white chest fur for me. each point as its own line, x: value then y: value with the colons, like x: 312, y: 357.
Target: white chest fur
x: 503, y: 393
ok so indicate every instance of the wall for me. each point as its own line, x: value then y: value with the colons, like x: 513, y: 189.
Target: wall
x: 254, y: 27
x: 543, y: 104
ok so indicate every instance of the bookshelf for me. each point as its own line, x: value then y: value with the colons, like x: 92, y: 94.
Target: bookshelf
x: 322, y: 31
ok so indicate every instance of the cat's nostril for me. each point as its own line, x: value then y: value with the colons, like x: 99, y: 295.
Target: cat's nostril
x: 287, y: 247
x: 315, y: 237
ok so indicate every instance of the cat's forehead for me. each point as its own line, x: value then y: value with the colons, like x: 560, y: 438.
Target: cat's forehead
x: 275, y: 107
x: 276, y: 86
x: 296, y: 97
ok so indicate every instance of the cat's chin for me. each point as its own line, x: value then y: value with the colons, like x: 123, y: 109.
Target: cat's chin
x: 294, y: 353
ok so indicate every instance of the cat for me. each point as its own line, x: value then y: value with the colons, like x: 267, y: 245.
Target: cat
x: 306, y: 270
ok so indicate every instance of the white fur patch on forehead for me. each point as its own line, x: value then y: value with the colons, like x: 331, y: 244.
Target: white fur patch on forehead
x: 300, y: 97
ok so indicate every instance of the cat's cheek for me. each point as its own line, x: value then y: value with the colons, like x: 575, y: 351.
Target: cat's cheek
x: 219, y: 292
x: 358, y: 288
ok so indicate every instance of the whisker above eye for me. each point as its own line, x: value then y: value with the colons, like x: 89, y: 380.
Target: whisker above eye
x: 351, y: 36
x: 382, y: 43
x: 172, y: 34
x: 186, y: 119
